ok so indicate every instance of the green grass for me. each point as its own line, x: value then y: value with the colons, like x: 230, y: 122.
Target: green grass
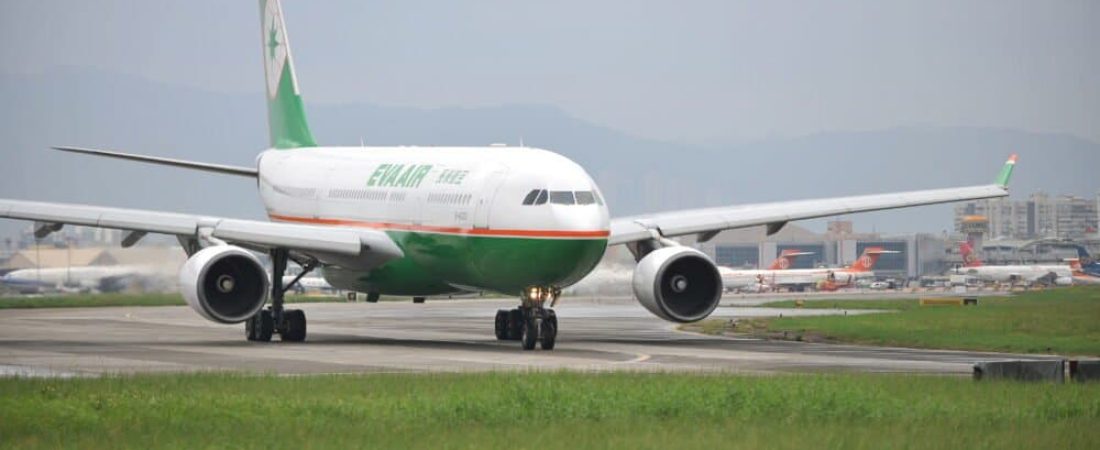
x: 545, y: 410
x: 1062, y: 321
x: 98, y: 300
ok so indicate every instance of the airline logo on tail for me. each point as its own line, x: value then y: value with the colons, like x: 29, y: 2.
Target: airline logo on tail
x: 285, y: 114
x: 275, y: 46
x: 966, y: 249
x: 867, y: 260
x: 786, y: 258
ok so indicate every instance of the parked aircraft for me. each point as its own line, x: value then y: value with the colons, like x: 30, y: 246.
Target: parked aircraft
x: 72, y: 279
x: 799, y: 279
x: 1049, y: 274
x: 1085, y: 269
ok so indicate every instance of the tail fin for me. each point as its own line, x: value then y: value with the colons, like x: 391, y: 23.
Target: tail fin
x: 1074, y: 265
x: 786, y: 258
x: 1083, y: 254
x: 966, y: 249
x: 286, y: 117
x: 867, y: 260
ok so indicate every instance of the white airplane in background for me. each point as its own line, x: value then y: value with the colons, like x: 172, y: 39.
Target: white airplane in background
x: 78, y: 279
x: 752, y: 279
x: 307, y: 284
x: 423, y: 221
x: 1048, y: 274
x: 825, y: 279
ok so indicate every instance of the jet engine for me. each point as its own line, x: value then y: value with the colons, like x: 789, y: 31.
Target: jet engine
x: 1063, y: 281
x: 224, y: 284
x: 678, y: 284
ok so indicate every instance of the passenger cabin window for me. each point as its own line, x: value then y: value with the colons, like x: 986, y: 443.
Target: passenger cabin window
x: 562, y: 198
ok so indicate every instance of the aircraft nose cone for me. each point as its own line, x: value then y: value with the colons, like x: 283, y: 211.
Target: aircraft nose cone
x: 580, y: 218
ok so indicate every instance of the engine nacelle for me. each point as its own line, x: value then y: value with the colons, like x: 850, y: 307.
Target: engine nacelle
x: 224, y: 284
x: 679, y: 284
x: 1063, y: 281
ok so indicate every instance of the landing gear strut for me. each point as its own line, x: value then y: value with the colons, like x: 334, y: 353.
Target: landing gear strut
x: 531, y: 323
x: 290, y: 324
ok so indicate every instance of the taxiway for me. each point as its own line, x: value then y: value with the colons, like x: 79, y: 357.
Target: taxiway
x: 444, y: 335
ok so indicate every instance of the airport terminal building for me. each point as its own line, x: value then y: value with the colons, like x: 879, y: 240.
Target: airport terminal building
x: 918, y: 254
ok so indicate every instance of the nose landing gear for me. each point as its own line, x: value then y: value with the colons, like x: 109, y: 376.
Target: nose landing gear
x: 532, y: 323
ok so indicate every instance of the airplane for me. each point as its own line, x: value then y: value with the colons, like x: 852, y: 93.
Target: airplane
x: 822, y: 279
x: 754, y: 279
x: 1085, y: 269
x: 426, y: 221
x: 1049, y: 274
x: 72, y: 279
x: 307, y: 283
x: 1086, y: 264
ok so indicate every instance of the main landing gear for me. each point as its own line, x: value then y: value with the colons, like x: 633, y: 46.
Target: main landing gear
x: 290, y: 324
x: 531, y: 323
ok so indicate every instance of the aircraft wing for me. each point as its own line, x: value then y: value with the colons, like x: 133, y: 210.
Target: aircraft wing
x: 707, y: 222
x: 306, y: 239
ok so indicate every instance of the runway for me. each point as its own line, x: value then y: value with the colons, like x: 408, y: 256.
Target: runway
x: 444, y: 335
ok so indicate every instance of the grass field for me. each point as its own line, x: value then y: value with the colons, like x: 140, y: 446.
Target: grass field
x: 545, y: 410
x: 1062, y: 321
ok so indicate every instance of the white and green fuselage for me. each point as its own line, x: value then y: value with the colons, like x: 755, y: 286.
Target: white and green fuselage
x: 457, y: 213
x: 490, y: 218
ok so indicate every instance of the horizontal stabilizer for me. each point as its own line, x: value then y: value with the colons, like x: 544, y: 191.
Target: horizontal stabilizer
x: 206, y: 167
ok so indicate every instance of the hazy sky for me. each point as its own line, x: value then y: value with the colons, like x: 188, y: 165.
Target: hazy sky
x: 697, y: 71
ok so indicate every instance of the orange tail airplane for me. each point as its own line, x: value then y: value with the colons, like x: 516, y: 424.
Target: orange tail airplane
x: 786, y: 259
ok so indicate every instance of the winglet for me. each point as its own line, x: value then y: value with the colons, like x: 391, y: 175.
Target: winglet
x: 1006, y: 171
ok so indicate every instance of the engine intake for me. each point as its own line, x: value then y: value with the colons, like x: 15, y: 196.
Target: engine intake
x: 678, y: 284
x: 224, y: 284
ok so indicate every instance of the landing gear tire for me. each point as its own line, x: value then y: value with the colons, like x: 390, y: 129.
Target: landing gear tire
x: 260, y: 327
x: 290, y: 324
x: 530, y: 333
x: 548, y: 331
x: 515, y: 324
x: 294, y: 326
x: 501, y: 324
x: 418, y: 300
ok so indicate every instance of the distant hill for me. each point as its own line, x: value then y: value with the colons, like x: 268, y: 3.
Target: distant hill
x: 96, y: 109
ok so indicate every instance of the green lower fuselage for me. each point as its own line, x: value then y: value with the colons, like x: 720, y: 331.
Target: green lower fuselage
x: 436, y: 264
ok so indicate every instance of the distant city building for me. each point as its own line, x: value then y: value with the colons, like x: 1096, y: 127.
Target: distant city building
x: 1040, y: 216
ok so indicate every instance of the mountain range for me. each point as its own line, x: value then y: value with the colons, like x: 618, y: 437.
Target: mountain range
x: 85, y: 107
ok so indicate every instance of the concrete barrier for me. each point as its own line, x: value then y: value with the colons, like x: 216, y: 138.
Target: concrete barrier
x: 1082, y: 371
x: 1021, y: 370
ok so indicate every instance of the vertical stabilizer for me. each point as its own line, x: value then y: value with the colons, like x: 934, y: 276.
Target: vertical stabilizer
x: 286, y: 117
x: 868, y: 259
x: 786, y: 259
x: 966, y: 249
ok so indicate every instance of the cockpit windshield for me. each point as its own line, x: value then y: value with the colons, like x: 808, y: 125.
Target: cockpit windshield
x: 541, y: 196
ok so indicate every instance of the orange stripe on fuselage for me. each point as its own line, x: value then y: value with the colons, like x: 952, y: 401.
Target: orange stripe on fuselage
x: 447, y: 230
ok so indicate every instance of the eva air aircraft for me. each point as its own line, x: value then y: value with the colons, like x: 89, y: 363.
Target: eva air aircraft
x: 424, y: 221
